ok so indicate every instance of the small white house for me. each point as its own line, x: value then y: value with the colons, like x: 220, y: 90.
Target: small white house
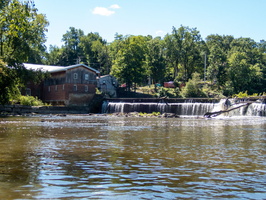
x: 108, y: 86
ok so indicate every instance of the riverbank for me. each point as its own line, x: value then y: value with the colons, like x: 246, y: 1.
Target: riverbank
x: 19, y: 110
x: 12, y: 110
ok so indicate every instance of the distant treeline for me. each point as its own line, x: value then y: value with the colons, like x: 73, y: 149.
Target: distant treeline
x: 229, y: 65
x: 233, y: 65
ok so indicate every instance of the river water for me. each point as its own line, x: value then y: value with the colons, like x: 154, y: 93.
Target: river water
x: 103, y: 157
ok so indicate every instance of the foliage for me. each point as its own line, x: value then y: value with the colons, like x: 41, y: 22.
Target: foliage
x: 183, y: 52
x: 22, y: 37
x: 241, y: 94
x: 218, y: 48
x: 212, y: 91
x: 128, y: 65
x: 96, y: 52
x: 233, y: 64
x: 71, y: 51
x: 22, y: 32
x: 8, y: 84
x: 246, y: 95
x: 153, y: 114
x: 168, y: 92
x: 54, y: 57
x: 163, y: 92
x: 29, y: 101
x: 192, y: 88
x: 156, y: 65
x: 242, y: 75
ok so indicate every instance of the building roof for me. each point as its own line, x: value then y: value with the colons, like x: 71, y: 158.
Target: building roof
x: 107, y: 75
x: 52, y: 68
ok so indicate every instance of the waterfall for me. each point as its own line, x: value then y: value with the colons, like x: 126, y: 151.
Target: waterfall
x: 254, y: 109
x: 186, y: 108
x: 149, y: 107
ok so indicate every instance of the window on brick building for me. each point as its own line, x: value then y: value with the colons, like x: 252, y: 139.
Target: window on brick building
x: 86, y: 88
x: 86, y: 77
x: 75, y: 88
x: 75, y: 75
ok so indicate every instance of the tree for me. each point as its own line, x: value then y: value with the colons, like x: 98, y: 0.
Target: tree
x: 192, y: 88
x: 8, y: 87
x: 155, y: 59
x: 96, y: 52
x: 246, y: 66
x: 218, y: 48
x: 54, y: 56
x: 183, y: 52
x: 103, y: 59
x: 242, y: 76
x: 262, y: 46
x: 128, y: 65
x: 22, y: 31
x: 71, y: 52
x: 249, y: 47
x: 22, y: 34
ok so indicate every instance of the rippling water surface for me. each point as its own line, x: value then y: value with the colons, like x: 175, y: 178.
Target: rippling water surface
x: 101, y: 157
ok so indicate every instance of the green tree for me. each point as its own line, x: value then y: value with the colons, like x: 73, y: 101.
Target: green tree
x: 246, y: 60
x: 102, y: 51
x: 242, y: 76
x: 71, y: 51
x: 183, y: 52
x: 22, y: 37
x: 22, y: 31
x: 96, y: 52
x: 155, y: 59
x: 192, y: 88
x: 262, y: 46
x: 218, y: 50
x: 128, y: 65
x: 54, y: 56
x: 8, y: 87
x: 249, y: 47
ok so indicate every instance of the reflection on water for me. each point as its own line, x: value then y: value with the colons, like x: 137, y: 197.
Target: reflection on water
x: 90, y: 157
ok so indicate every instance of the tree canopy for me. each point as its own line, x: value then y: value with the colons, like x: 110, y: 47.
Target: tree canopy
x: 233, y: 64
x: 22, y: 38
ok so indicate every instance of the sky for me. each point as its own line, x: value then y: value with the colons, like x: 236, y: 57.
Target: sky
x: 239, y: 18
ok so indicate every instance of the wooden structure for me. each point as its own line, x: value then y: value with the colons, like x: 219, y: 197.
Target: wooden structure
x: 73, y: 85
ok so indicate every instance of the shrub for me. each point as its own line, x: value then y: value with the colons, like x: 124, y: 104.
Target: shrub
x: 30, y: 101
x: 192, y: 88
x: 246, y: 95
x: 162, y: 92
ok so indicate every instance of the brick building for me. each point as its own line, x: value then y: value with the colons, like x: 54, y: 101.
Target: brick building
x: 72, y: 85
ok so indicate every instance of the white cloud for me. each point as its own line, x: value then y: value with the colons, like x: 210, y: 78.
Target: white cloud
x: 102, y: 11
x: 115, y: 6
x: 160, y: 33
x: 105, y: 11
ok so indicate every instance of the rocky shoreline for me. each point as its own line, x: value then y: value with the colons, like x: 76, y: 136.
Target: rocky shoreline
x: 19, y: 110
x: 150, y: 115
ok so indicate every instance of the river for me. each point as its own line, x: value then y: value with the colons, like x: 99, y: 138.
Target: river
x: 103, y: 157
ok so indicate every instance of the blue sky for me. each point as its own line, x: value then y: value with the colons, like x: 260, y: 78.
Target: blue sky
x: 240, y: 18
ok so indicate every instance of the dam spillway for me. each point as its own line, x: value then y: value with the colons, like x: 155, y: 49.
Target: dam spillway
x: 185, y: 107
